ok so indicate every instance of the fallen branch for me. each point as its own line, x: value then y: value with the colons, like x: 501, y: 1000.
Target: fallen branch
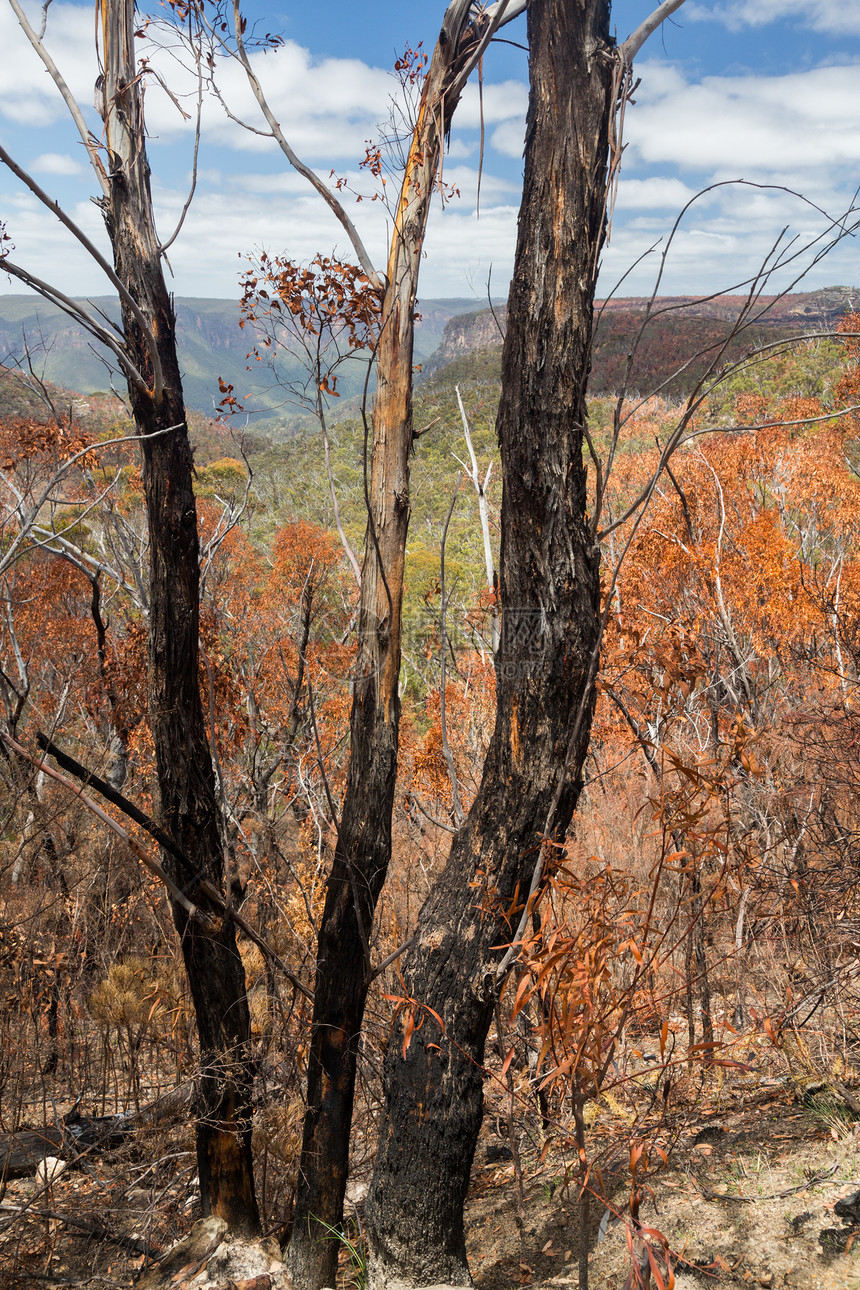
x: 812, y: 1181
x: 21, y: 1153
x: 93, y: 1230
x: 134, y: 813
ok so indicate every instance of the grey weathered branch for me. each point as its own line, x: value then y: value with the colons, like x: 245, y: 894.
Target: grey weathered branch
x: 36, y: 39
x: 76, y: 311
x: 631, y: 46
x: 484, y: 513
x: 193, y: 188
x: 493, y: 18
x: 29, y: 524
x: 335, y: 206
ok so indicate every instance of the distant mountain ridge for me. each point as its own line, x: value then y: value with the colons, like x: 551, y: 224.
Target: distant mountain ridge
x: 211, y: 345
x: 482, y: 329
x: 450, y: 331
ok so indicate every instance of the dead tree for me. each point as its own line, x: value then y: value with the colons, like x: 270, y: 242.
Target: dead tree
x: 546, y: 664
x: 189, y: 810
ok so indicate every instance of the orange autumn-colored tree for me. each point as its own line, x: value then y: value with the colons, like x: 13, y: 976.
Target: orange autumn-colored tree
x: 730, y: 619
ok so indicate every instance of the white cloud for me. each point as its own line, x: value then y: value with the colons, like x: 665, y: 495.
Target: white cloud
x: 28, y: 95
x: 501, y: 102
x: 724, y: 241
x: 797, y: 129
x: 509, y: 139
x: 283, y: 181
x: 45, y: 247
x: 465, y: 179
x: 648, y: 194
x: 838, y: 17
x: 224, y: 226
x: 56, y: 163
x: 754, y: 126
x: 461, y: 250
x: 329, y: 108
x: 221, y: 229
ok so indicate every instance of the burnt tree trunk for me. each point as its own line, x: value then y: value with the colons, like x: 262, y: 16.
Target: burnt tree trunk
x: 545, y: 668
x: 188, y: 805
x: 363, y: 847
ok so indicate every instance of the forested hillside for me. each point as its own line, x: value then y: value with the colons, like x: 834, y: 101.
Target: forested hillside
x: 212, y: 346
x: 693, y: 952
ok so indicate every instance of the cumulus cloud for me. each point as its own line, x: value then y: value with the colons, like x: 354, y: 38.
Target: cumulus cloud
x: 462, y: 250
x: 723, y: 241
x: 683, y: 132
x: 460, y: 148
x: 509, y: 139
x: 329, y: 107
x: 27, y: 94
x: 56, y: 163
x: 44, y: 246
x: 838, y: 17
x: 656, y: 192
x: 747, y: 125
x: 248, y: 213
x: 501, y: 102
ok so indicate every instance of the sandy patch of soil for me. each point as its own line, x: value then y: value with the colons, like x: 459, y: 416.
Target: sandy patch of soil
x: 747, y: 1201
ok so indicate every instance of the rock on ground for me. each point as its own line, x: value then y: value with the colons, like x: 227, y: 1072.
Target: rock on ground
x: 210, y: 1258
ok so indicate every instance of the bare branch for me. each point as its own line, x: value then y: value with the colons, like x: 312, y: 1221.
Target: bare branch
x: 634, y: 43
x: 483, y: 511
x: 443, y: 689
x: 392, y: 958
x: 295, y: 161
x: 61, y: 473
x: 509, y: 11
x: 152, y: 865
x: 36, y: 40
x: 175, y: 234
x: 164, y: 840
x: 76, y: 311
x: 493, y: 17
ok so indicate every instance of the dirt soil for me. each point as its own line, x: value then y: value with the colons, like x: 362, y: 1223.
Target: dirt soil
x: 747, y: 1200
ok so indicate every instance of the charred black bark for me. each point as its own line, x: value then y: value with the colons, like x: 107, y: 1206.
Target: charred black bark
x: 549, y: 589
x: 189, y: 811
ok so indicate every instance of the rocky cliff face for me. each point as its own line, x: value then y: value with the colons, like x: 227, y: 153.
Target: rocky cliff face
x: 211, y: 344
x: 812, y: 310
x: 465, y: 333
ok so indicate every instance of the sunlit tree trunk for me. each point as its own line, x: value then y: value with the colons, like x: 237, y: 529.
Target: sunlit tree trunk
x: 363, y: 848
x: 188, y: 804
x: 545, y: 667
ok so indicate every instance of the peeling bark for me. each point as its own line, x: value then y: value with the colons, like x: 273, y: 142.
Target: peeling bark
x: 363, y: 848
x: 545, y: 667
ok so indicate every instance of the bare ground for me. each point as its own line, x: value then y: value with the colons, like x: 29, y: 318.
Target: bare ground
x: 746, y: 1200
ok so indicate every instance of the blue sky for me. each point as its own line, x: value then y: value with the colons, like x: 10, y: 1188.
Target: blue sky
x: 762, y: 90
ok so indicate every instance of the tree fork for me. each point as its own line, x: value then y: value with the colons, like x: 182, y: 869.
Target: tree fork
x: 545, y: 667
x: 363, y: 847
